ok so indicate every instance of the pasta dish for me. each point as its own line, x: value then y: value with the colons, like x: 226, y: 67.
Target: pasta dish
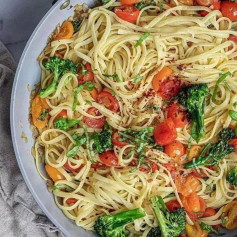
x: 135, y: 118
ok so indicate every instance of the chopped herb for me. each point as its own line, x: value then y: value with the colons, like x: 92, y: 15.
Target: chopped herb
x: 104, y: 2
x: 88, y: 102
x: 137, y: 79
x: 44, y: 115
x: 228, y: 86
x: 142, y: 38
x: 113, y: 93
x: 83, y: 69
x: 63, y: 186
x: 233, y: 115
x: 76, y: 25
x: 155, y: 108
x: 221, y: 79
x: 80, y: 140
x: 235, y: 104
x: 161, y: 5
x: 115, y: 76
x: 170, y: 195
x: 223, y: 220
x: 73, y: 151
x: 88, y: 145
x: 209, y: 228
x: 143, y: 4
x: 64, y: 124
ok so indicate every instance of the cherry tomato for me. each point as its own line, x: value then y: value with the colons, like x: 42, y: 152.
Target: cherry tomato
x: 205, y: 3
x: 109, y: 159
x: 62, y: 114
x: 165, y: 132
x: 229, y: 10
x: 71, y: 201
x: 105, y: 98
x: 200, y: 213
x: 97, y: 165
x: 173, y: 205
x: 169, y: 88
x: 209, y: 212
x: 233, y: 38
x: 69, y: 168
x: 175, y: 150
x: 127, y: 13
x: 170, y: 166
x: 154, y: 166
x: 128, y: 2
x: 116, y: 142
x: 178, y: 115
x: 93, y: 122
x: 89, y: 76
x: 216, y: 5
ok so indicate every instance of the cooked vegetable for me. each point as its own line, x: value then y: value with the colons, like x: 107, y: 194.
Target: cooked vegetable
x: 187, y: 2
x: 94, y: 94
x: 94, y: 122
x: 170, y: 223
x: 142, y: 4
x: 80, y: 140
x: 70, y: 168
x: 173, y: 205
x: 116, y: 140
x: 141, y: 39
x: 76, y: 25
x: 195, y: 230
x: 194, y: 152
x: 216, y: 5
x: 114, y: 225
x: 214, y: 153
x: 53, y: 173
x: 85, y: 73
x: 154, y: 232
x: 128, y: 2
x: 175, y: 150
x: 66, y: 31
x: 65, y: 124
x: 228, y: 9
x: 115, y: 76
x: 59, y: 67
x: 63, y: 114
x: 108, y: 158
x: 105, y: 98
x: 160, y: 76
x: 63, y: 186
x: 233, y: 115
x: 209, y: 228
x: 127, y: 13
x: 137, y: 79
x: 193, y: 98
x: 39, y: 111
x: 230, y: 215
x: 232, y: 176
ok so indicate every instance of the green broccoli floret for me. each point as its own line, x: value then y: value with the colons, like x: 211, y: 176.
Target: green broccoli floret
x: 154, y: 232
x: 114, y: 225
x: 142, y: 4
x: 170, y: 223
x: 193, y: 99
x: 64, y: 124
x: 59, y: 67
x: 232, y: 176
x: 214, y: 153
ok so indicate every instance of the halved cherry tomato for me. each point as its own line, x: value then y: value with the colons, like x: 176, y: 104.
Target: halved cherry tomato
x: 93, y: 122
x: 178, y: 115
x: 97, y: 165
x: 170, y: 166
x: 175, y: 150
x: 105, y: 98
x: 169, y: 88
x: 94, y: 94
x: 71, y: 169
x: 229, y: 10
x: 53, y: 173
x: 216, y: 5
x: 116, y: 142
x: 188, y: 186
x: 127, y: 13
x: 165, y: 132
x: 89, y: 76
x: 109, y: 158
x: 205, y: 3
x: 65, y: 32
x: 230, y: 211
x: 62, y: 114
x: 71, y: 201
x: 187, y: 2
x: 173, y: 205
x: 233, y: 38
x: 128, y: 2
x: 209, y: 212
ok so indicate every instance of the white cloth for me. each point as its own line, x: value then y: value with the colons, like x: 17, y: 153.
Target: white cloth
x: 20, y: 215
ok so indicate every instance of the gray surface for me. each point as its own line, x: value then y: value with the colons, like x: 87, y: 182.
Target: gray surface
x: 28, y: 72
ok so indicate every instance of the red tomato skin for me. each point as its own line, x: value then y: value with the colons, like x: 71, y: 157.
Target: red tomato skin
x: 229, y: 10
x: 177, y: 114
x: 108, y: 158
x: 195, y: 216
x: 169, y: 88
x: 62, y: 114
x: 127, y: 13
x: 175, y: 149
x: 173, y: 205
x: 71, y: 201
x: 209, y: 212
x: 233, y: 38
x: 165, y: 132
x: 205, y: 3
x: 84, y: 78
x: 92, y: 122
x: 67, y: 167
x: 97, y: 165
x: 105, y: 98
x: 216, y: 5
x: 128, y: 2
x: 116, y: 142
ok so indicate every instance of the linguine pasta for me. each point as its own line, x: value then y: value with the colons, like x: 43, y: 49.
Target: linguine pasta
x: 196, y: 48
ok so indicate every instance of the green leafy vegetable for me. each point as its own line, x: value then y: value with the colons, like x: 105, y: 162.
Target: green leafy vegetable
x: 64, y: 124
x: 88, y: 150
x: 154, y: 232
x: 161, y: 5
x: 209, y: 228
x: 142, y: 38
x: 76, y: 25
x: 214, y: 153
x: 137, y: 79
x: 88, y: 102
x: 142, y: 4
x: 63, y: 186
x: 235, y: 104
x: 114, y: 225
x: 59, y: 67
x: 232, y: 176
x: 221, y: 79
x: 170, y: 223
x: 233, y: 115
x: 115, y: 76
x: 44, y: 115
x: 80, y: 140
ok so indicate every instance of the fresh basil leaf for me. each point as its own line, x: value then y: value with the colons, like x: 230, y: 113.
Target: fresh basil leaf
x: 235, y: 104
x: 63, y: 186
x: 142, y: 4
x: 76, y: 25
x: 161, y: 5
x: 142, y: 38
x: 88, y: 102
x: 137, y: 79
x: 115, y: 76
x: 83, y: 69
x: 89, y: 86
x: 44, y: 115
x: 233, y: 115
x: 64, y: 124
x: 73, y: 151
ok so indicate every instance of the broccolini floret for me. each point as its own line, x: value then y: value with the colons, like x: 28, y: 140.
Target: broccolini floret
x: 170, y: 223
x: 59, y: 67
x: 232, y: 176
x: 211, y: 154
x: 154, y: 232
x: 114, y: 225
x: 193, y: 99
